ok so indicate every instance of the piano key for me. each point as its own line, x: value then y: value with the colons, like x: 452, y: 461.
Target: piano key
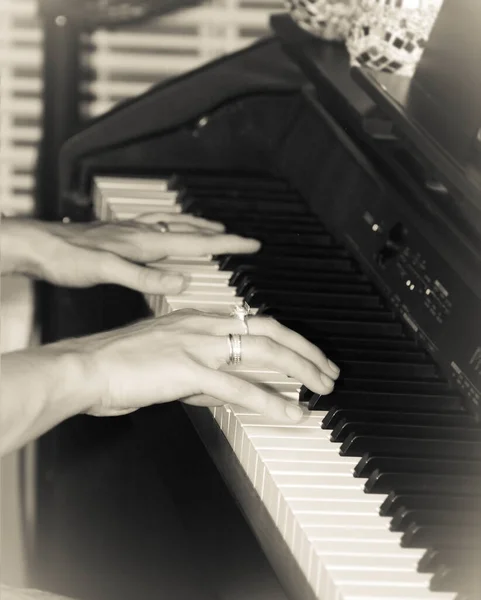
x: 295, y: 275
x: 357, y: 445
x: 394, y: 464
x: 427, y: 432
x: 433, y: 559
x: 441, y: 403
x: 404, y: 518
x: 313, y: 299
x: 424, y: 536
x: 239, y: 261
x: 395, y: 502
x: 243, y: 181
x: 131, y: 183
x: 215, y: 204
x: 466, y: 579
x: 422, y: 483
x: 337, y: 415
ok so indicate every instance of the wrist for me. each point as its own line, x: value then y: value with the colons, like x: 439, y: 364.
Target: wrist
x: 22, y: 247
x: 78, y: 384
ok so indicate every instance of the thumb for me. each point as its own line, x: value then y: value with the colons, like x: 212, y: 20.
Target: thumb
x: 145, y: 279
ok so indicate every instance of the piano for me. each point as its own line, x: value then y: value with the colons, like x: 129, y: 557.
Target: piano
x: 365, y: 190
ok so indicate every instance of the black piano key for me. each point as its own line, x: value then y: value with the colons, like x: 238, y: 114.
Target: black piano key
x: 205, y: 194
x: 276, y: 221
x: 299, y: 286
x: 399, y: 344
x: 396, y: 501
x: 290, y: 239
x: 444, y: 536
x: 305, y: 275
x: 434, y: 558
x: 459, y: 578
x: 190, y: 203
x: 281, y: 285
x: 312, y: 327
x: 423, y: 483
x: 231, y: 263
x: 424, y: 432
x: 218, y: 181
x: 440, y: 403
x: 300, y: 251
x: 357, y: 445
x: 387, y: 370
x: 403, y: 518
x: 337, y: 414
x: 256, y: 296
x: 370, y: 463
x: 401, y: 386
x: 361, y: 316
x: 278, y: 225
x: 380, y: 356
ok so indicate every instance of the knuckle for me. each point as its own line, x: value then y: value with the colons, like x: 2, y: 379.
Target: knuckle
x: 268, y: 323
x: 266, y: 344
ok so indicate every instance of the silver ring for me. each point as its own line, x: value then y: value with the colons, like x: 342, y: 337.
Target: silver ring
x: 164, y: 227
x: 242, y: 313
x: 235, y: 348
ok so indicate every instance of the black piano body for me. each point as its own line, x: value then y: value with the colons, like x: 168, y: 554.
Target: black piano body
x: 355, y: 146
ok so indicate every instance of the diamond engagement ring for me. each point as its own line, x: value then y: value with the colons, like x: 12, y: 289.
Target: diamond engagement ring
x: 234, y: 341
x: 242, y: 313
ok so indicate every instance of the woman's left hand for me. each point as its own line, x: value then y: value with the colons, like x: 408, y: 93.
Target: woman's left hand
x: 119, y: 252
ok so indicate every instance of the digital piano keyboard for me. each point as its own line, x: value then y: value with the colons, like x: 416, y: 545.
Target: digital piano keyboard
x: 375, y: 492
x: 371, y: 249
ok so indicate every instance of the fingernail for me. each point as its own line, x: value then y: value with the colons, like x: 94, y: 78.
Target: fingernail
x: 294, y: 412
x: 334, y: 367
x: 327, y: 381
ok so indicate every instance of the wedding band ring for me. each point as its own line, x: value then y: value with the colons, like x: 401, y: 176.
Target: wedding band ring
x: 163, y: 226
x: 235, y: 349
x: 242, y: 313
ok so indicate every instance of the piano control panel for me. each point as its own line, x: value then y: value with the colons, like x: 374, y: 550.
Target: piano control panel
x: 435, y: 304
x: 410, y: 255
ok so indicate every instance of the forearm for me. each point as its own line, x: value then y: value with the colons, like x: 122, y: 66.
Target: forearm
x: 40, y: 388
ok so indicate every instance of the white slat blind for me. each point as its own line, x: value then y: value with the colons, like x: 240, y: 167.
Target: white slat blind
x: 122, y: 64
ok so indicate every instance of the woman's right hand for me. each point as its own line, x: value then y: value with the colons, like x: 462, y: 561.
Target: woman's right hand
x: 183, y: 355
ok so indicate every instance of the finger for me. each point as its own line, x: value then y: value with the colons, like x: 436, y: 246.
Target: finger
x: 155, y: 217
x: 267, y: 326
x: 260, y: 352
x: 202, y: 400
x: 199, y: 245
x: 110, y: 412
x: 264, y: 326
x: 231, y: 389
x: 174, y: 227
x: 114, y: 269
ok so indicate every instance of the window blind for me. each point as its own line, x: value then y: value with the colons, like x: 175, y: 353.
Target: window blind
x: 118, y: 64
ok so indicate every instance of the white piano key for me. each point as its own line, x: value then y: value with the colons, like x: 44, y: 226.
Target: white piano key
x: 379, y: 561
x: 132, y: 183
x: 127, y: 196
x: 371, y: 591
x: 364, y: 504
